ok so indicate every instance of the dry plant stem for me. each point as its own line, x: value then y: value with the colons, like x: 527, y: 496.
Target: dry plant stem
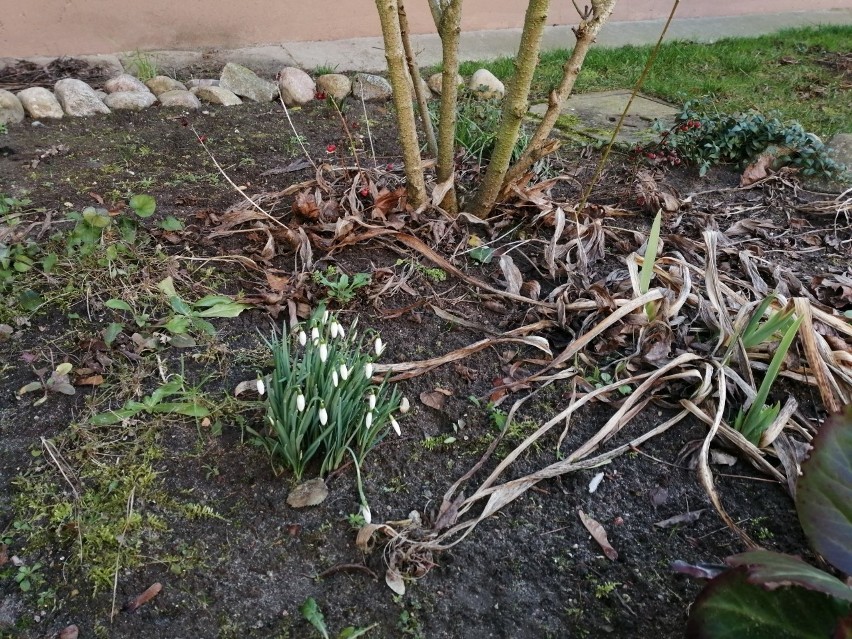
x: 639, y: 83
x: 118, y: 554
x: 234, y: 186
x: 515, y: 106
x: 416, y: 80
x: 295, y: 132
x: 537, y: 148
x: 389, y: 17
x: 448, y: 24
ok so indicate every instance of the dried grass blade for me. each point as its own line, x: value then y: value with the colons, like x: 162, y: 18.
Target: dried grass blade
x: 817, y: 364
x: 620, y: 418
x: 705, y: 475
x: 460, y: 353
x: 629, y: 307
x: 779, y: 423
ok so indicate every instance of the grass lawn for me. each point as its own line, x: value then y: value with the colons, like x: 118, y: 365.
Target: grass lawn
x: 803, y: 74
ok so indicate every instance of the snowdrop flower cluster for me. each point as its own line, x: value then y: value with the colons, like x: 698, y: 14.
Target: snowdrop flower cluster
x: 322, y: 397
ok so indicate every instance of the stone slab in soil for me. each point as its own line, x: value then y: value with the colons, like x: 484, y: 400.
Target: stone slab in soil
x: 840, y: 150
x: 594, y: 116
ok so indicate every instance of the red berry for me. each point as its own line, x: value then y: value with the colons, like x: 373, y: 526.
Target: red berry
x: 651, y: 156
x: 364, y: 192
x: 331, y: 148
x: 319, y: 95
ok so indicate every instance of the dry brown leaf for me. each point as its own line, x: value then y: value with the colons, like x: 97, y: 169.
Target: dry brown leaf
x: 514, y: 280
x: 395, y: 581
x: 92, y: 380
x: 434, y: 399
x: 305, y: 205
x: 599, y: 535
x: 137, y: 602
x: 277, y: 283
x: 683, y: 518
x: 757, y: 170
x: 69, y: 632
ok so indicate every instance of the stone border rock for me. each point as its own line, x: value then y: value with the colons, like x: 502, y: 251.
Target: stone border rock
x: 125, y: 92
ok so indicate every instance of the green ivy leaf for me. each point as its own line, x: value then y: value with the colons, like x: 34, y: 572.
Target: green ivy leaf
x: 118, y: 305
x: 482, y: 254
x: 171, y: 223
x: 111, y: 332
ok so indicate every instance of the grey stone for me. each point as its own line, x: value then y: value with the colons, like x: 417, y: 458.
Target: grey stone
x: 334, y: 85
x: 78, y: 99
x: 245, y: 83
x: 124, y: 83
x: 11, y: 609
x: 436, y: 81
x: 108, y: 64
x: 486, y: 86
x: 162, y: 83
x: 39, y: 103
x: 130, y: 100
x: 216, y: 95
x: 593, y: 116
x: 295, y: 86
x: 310, y: 493
x: 201, y: 82
x: 371, y: 87
x: 11, y: 109
x: 179, y: 99
x: 839, y: 149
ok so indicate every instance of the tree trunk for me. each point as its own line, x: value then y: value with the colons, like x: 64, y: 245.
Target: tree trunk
x: 391, y: 33
x: 449, y: 30
x: 586, y: 33
x: 515, y: 107
x: 416, y: 81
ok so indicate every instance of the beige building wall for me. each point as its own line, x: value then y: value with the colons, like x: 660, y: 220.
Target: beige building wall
x: 73, y: 27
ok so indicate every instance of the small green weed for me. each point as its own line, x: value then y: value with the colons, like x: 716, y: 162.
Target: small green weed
x: 155, y: 404
x: 339, y: 286
x: 144, y: 66
x: 434, y: 274
x: 312, y: 613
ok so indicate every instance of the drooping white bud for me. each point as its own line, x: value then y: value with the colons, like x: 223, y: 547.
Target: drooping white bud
x: 371, y: 400
x: 303, y: 338
x: 368, y: 369
x: 380, y: 346
x: 261, y: 388
x: 344, y: 372
x: 368, y: 420
x: 323, y: 349
x: 366, y: 514
x: 333, y: 330
x: 323, y: 415
x: 404, y: 406
x: 395, y: 425
x: 325, y: 316
x: 314, y: 334
x: 300, y: 402
x: 334, y: 379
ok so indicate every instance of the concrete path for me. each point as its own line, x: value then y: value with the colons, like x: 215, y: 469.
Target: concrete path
x: 367, y: 54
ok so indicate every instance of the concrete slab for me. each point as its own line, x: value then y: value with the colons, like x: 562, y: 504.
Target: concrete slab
x: 593, y: 116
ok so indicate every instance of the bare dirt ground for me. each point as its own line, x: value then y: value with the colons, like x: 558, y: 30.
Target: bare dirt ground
x: 103, y: 512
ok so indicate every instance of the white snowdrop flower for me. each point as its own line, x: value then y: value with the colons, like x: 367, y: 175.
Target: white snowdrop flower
x: 344, y: 372
x: 380, y: 346
x: 323, y: 349
x: 371, y: 400
x: 404, y: 406
x: 314, y: 334
x: 303, y: 338
x: 340, y: 332
x: 300, y: 402
x: 261, y: 388
x: 325, y: 317
x: 323, y: 415
x: 395, y: 425
x: 366, y: 514
x: 333, y: 330
x: 368, y: 370
x: 368, y: 420
x: 334, y: 378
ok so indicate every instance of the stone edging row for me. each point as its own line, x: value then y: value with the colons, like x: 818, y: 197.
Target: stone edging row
x: 76, y: 98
